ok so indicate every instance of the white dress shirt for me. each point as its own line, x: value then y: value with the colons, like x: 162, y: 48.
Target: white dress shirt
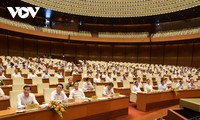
x: 45, y: 76
x: 23, y: 101
x: 109, y: 79
x: 87, y: 85
x: 162, y: 87
x: 107, y: 92
x: 77, y: 94
x: 136, y: 89
x: 30, y: 76
x: 56, y: 96
x: 16, y: 75
x: 97, y: 79
x: 148, y: 87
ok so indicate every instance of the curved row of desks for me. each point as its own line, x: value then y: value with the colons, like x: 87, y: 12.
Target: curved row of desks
x: 98, y: 110
x: 147, y: 101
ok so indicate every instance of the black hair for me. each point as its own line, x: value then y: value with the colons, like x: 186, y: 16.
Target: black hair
x: 60, y: 85
x: 87, y: 79
x: 27, y: 86
x: 111, y: 84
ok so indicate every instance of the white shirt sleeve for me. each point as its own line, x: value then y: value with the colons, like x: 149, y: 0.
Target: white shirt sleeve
x: 1, y: 92
x: 19, y: 102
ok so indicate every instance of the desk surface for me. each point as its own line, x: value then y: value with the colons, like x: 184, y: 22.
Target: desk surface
x: 103, y: 109
x: 146, y: 101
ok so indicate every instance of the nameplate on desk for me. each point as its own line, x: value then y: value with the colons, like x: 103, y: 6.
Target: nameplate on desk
x: 94, y: 97
x: 116, y: 94
x: 31, y: 106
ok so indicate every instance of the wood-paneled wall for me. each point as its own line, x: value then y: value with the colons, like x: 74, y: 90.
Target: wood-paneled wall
x: 182, y: 54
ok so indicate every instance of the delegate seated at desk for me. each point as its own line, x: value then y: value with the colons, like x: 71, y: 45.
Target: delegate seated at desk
x: 162, y: 86
x: 108, y: 90
x: 179, y: 85
x: 26, y: 98
x: 191, y: 84
x: 59, y: 94
x: 87, y: 85
x: 70, y: 83
x: 148, y: 87
x: 77, y: 92
x: 136, y: 88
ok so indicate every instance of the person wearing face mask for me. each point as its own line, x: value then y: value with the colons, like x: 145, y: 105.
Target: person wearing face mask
x: 26, y: 98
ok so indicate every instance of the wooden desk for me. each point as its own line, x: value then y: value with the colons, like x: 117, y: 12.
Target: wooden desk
x: 104, y: 109
x: 4, y: 103
x: 123, y: 91
x: 89, y: 93
x: 147, y: 101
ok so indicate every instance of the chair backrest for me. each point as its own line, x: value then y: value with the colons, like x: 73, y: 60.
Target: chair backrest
x: 130, y: 79
x: 17, y: 87
x: 198, y: 83
x: 66, y: 78
x: 115, y: 84
x: 70, y: 89
x: 131, y: 86
x: 47, y: 94
x: 25, y: 71
x: 99, y: 90
x: 18, y: 80
x: 173, y: 85
x: 10, y: 71
x: 185, y: 85
x: 81, y: 84
x: 126, y: 84
x: 51, y: 71
x: 118, y: 78
x: 42, y: 86
x: 53, y: 80
x: 13, y: 97
x: 37, y: 80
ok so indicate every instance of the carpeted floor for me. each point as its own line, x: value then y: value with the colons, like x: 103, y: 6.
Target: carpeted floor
x: 134, y: 114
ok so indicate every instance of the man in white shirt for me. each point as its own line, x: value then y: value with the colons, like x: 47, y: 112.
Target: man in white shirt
x: 16, y: 74
x: 77, y: 93
x: 179, y: 85
x: 26, y: 98
x: 58, y: 74
x: 109, y: 78
x: 32, y: 74
x: 46, y: 75
x: 97, y: 79
x: 136, y: 88
x: 87, y: 85
x: 162, y: 86
x: 59, y: 94
x: 108, y: 90
x: 148, y: 87
x: 191, y: 84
